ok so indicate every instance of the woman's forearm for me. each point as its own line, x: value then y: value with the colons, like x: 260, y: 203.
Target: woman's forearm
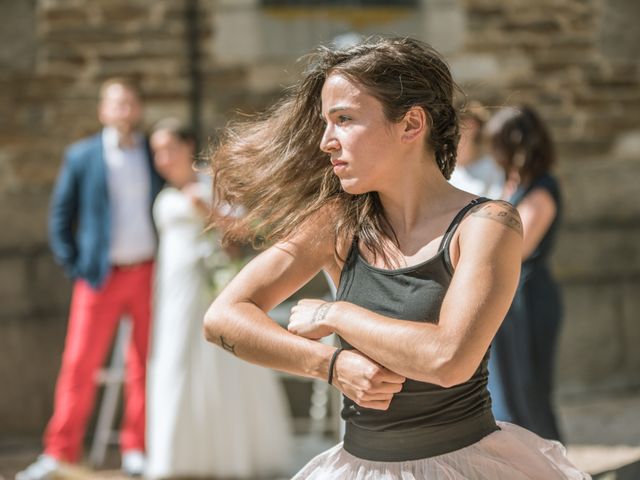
x: 416, y: 350
x: 245, y: 331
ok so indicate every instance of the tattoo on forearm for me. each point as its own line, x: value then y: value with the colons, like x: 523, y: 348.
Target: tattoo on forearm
x: 321, y: 312
x: 227, y: 346
x: 502, y: 212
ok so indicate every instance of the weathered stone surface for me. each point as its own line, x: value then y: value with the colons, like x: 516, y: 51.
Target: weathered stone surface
x: 269, y: 78
x: 444, y: 25
x: 604, y: 190
x: 597, y: 253
x: 618, y: 34
x: 31, y: 352
x: 591, y: 349
x: 49, y: 291
x: 18, y: 36
x: 631, y: 329
x: 24, y: 219
x: 627, y: 145
x: 13, y: 287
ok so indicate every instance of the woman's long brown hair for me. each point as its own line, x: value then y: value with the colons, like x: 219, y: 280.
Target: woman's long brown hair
x: 273, y: 167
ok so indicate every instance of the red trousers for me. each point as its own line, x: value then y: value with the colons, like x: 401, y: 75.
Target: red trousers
x: 93, y: 320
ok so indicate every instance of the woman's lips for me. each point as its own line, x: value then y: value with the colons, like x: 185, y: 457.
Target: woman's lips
x: 338, y: 165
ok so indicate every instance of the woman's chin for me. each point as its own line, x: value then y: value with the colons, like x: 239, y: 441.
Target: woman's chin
x: 352, y: 188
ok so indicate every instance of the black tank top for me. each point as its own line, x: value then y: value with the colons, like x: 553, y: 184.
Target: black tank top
x: 424, y: 419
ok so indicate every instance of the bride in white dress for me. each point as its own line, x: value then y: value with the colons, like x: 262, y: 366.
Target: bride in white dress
x: 209, y: 414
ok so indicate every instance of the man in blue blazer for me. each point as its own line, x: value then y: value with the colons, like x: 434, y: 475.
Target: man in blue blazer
x: 101, y: 232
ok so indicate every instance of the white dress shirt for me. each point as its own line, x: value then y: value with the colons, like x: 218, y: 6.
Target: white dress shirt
x: 133, y: 238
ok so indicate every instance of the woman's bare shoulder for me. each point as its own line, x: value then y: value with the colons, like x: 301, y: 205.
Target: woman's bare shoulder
x: 499, y: 211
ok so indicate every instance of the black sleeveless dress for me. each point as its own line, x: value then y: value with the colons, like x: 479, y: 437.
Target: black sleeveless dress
x: 523, y: 350
x: 429, y: 432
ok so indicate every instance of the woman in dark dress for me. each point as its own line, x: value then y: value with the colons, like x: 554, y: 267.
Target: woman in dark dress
x: 523, y: 351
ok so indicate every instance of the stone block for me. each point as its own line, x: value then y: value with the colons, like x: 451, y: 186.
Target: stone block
x: 31, y: 353
x: 125, y: 12
x: 597, y: 253
x: 62, y: 15
x: 23, y: 216
x: 229, y: 48
x: 590, y: 353
x: 604, y: 190
x: 160, y: 109
x: 466, y: 68
x: 269, y: 78
x: 631, y: 329
x: 49, y: 289
x: 29, y: 169
x: 627, y: 145
x: 444, y: 25
x: 538, y: 24
x: 14, y: 298
x: 8, y: 178
x: 617, y: 33
x: 231, y: 4
x: 18, y: 40
x: 610, y: 124
x: 576, y: 145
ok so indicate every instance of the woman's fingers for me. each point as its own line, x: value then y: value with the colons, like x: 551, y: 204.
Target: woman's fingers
x: 376, y: 405
x: 386, y: 387
x: 387, y: 376
x: 366, y: 382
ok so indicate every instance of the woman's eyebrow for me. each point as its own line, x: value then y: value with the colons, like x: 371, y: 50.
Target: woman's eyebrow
x: 335, y: 109
x: 338, y: 108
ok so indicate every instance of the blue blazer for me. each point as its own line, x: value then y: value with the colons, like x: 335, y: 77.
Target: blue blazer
x: 80, y: 216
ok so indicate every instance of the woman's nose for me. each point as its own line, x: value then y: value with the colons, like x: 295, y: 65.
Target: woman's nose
x: 329, y: 143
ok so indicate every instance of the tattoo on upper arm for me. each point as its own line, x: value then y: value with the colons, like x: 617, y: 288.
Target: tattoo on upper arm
x: 502, y: 212
x: 321, y: 312
x: 227, y: 346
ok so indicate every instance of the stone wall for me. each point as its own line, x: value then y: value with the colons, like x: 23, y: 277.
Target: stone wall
x: 54, y: 55
x: 573, y: 59
x: 577, y: 63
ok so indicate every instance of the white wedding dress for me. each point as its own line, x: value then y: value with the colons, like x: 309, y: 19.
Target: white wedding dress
x: 209, y: 414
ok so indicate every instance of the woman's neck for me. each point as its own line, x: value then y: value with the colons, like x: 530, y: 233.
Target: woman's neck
x: 417, y: 198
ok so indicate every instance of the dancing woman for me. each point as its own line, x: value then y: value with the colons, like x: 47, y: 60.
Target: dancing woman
x: 348, y: 174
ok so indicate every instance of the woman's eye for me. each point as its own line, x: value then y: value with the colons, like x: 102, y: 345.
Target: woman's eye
x: 343, y: 119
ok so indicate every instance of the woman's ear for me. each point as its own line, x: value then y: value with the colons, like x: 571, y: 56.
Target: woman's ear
x: 414, y: 124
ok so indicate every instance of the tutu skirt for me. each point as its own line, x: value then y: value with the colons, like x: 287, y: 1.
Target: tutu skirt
x: 511, y: 453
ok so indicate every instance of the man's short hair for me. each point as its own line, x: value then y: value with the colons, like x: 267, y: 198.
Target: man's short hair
x: 125, y: 82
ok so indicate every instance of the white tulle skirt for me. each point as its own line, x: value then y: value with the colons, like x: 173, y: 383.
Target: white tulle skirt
x: 511, y: 453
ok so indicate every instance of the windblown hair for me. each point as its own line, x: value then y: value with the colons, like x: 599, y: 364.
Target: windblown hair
x: 521, y: 142
x: 273, y: 166
x: 475, y: 112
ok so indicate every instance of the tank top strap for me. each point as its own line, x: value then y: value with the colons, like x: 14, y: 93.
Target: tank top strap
x: 352, y: 252
x: 448, y: 235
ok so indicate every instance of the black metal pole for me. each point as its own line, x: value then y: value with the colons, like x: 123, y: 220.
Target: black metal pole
x: 195, y: 81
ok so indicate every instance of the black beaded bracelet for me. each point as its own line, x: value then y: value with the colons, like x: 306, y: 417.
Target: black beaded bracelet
x: 332, y: 363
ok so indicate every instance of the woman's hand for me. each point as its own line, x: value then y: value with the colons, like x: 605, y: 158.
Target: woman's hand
x: 364, y: 381
x: 307, y: 319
